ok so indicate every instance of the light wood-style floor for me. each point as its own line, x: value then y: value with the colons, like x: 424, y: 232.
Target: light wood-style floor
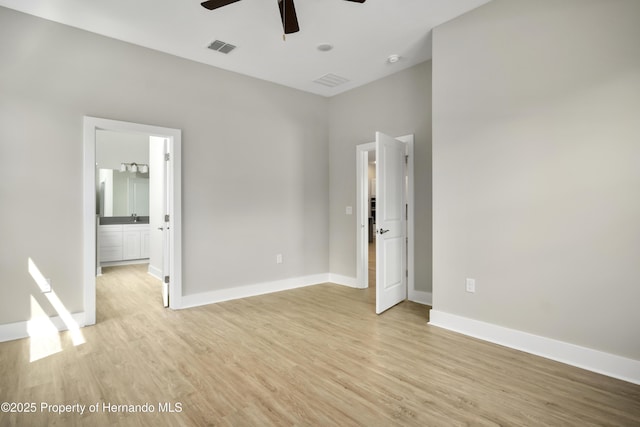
x: 315, y: 356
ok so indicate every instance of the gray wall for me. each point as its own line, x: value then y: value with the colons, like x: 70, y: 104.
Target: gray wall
x: 255, y: 161
x: 115, y: 148
x: 536, y: 169
x: 396, y: 105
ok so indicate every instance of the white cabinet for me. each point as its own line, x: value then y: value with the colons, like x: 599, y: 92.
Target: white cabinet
x: 110, y: 243
x: 123, y: 242
x: 144, y: 243
x: 135, y: 240
x: 131, y: 244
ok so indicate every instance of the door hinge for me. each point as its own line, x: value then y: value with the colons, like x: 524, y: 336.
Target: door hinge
x: 166, y: 218
x: 406, y: 159
x: 166, y: 157
x: 406, y: 273
x: 166, y: 279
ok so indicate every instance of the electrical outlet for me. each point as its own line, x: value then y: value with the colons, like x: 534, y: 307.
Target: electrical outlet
x: 279, y: 259
x: 471, y: 285
x: 46, y: 287
x: 349, y: 210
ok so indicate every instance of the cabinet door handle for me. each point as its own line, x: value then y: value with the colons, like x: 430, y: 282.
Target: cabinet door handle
x: 160, y: 228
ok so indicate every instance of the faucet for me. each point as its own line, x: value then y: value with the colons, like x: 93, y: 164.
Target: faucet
x: 135, y: 217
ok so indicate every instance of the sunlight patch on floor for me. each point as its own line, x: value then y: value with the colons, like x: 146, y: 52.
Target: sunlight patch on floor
x: 44, y: 336
x: 41, y: 328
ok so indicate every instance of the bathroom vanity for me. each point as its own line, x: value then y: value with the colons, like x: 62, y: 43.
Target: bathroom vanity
x: 123, y: 226
x: 123, y: 242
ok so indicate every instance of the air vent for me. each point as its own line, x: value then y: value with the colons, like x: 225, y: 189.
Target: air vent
x: 331, y: 80
x: 221, y: 46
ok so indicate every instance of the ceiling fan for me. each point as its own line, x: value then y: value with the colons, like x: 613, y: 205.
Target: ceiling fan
x: 287, y: 12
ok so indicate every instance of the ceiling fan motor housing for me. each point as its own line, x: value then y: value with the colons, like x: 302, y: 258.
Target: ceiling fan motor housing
x: 287, y: 12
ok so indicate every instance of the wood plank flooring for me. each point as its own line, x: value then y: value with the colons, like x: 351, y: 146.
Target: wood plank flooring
x: 315, y: 356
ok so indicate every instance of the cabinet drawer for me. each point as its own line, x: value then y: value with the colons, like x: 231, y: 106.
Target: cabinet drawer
x: 111, y: 227
x: 135, y: 227
x: 108, y: 239
x: 111, y: 254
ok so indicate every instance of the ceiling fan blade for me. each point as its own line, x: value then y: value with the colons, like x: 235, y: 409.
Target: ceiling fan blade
x: 357, y: 1
x: 214, y: 4
x: 288, y: 16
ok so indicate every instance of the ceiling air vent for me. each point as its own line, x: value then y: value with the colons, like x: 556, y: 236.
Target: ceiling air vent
x: 331, y: 80
x: 221, y: 46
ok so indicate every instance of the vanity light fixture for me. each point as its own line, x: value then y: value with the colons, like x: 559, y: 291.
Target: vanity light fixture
x: 134, y: 167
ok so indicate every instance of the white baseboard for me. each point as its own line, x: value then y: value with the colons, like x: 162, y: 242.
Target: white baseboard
x: 155, y: 272
x: 421, y: 297
x: 581, y: 357
x: 339, y: 279
x: 124, y: 262
x: 19, y: 330
x: 221, y: 295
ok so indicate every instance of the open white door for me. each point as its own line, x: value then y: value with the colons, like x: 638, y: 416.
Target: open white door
x: 166, y: 235
x: 158, y: 209
x: 391, y: 285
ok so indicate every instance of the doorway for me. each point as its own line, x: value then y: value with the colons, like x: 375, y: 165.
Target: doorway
x: 124, y: 173
x: 172, y: 262
x: 366, y: 202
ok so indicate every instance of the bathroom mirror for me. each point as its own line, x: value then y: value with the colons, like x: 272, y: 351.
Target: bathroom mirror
x: 122, y: 193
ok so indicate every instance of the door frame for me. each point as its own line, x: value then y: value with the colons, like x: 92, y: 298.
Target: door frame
x: 362, y: 195
x: 90, y: 222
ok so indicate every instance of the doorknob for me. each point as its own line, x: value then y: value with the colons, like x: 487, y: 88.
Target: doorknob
x: 160, y: 228
x: 382, y: 231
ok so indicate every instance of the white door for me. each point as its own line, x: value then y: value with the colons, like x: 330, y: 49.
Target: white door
x: 166, y: 235
x: 391, y: 282
x: 159, y: 228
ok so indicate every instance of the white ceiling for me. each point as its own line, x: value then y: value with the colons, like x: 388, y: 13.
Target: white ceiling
x: 363, y: 35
